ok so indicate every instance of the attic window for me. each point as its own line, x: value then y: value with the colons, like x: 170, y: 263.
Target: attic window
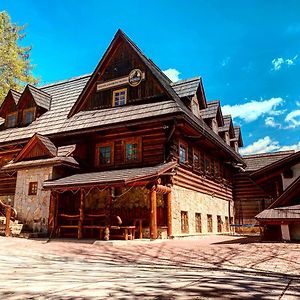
x: 119, y: 97
x: 28, y: 116
x: 11, y: 120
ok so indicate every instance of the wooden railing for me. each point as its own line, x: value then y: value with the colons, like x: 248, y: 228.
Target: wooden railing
x: 10, y: 214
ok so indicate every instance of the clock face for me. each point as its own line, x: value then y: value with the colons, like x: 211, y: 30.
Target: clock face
x: 135, y: 77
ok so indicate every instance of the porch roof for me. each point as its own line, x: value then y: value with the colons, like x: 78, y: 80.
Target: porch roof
x: 280, y: 213
x: 112, y: 178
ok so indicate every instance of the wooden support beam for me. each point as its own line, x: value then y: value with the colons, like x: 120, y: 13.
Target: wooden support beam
x: 81, y: 214
x: 8, y: 216
x: 169, y: 213
x: 153, y: 214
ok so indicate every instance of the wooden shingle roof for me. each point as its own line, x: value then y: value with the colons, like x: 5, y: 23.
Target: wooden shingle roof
x: 238, y: 136
x: 228, y: 125
x: 187, y: 87
x: 280, y: 213
x: 211, y: 110
x: 258, y: 161
x: 115, y: 177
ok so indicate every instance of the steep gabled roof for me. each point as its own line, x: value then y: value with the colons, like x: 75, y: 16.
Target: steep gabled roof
x: 121, y: 37
x: 40, y: 97
x: 213, y: 110
x: 228, y: 126
x: 238, y: 136
x: 257, y: 162
x: 43, y: 142
x: 189, y: 88
x: 12, y: 95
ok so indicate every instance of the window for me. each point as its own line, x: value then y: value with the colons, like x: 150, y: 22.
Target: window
x: 209, y: 223
x: 219, y: 221
x: 182, y: 153
x: 198, y: 225
x: 226, y: 224
x: 184, y: 222
x: 28, y: 116
x: 11, y: 120
x: 207, y: 166
x: 119, y: 97
x: 104, y: 154
x: 32, y: 190
x: 196, y: 160
x: 132, y: 150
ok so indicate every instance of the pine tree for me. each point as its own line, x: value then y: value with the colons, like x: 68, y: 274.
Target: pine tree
x: 15, y: 67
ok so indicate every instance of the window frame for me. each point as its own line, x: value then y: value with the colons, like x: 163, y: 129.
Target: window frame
x: 11, y: 114
x: 31, y: 109
x: 97, y: 154
x: 114, y: 97
x: 198, y: 154
x: 210, y: 223
x: 185, y: 146
x: 198, y: 223
x: 32, y: 188
x: 137, y: 141
x: 184, y: 221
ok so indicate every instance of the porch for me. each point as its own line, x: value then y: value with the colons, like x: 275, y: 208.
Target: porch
x: 121, y: 204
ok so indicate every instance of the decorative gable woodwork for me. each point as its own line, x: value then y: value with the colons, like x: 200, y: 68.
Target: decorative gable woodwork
x: 38, y: 146
x: 113, y: 73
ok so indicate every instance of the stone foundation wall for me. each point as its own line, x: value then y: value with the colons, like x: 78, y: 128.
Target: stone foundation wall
x: 195, y: 202
x: 33, y: 210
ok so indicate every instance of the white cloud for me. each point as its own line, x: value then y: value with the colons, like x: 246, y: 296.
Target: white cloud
x: 293, y: 118
x: 173, y: 74
x: 252, y: 110
x: 298, y: 103
x: 270, y: 121
x: 266, y: 144
x: 279, y: 61
x: 225, y: 61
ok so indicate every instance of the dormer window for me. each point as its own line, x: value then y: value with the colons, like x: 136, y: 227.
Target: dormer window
x: 11, y: 120
x: 28, y: 116
x: 119, y: 97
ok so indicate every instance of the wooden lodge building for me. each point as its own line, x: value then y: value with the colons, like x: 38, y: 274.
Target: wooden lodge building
x: 124, y: 153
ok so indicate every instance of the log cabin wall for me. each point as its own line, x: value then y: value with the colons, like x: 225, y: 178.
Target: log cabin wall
x: 249, y: 198
x: 151, y: 139
x: 210, y: 175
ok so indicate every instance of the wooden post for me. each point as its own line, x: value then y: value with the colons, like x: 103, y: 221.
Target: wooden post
x: 7, y: 215
x: 108, y: 217
x: 169, y: 213
x: 153, y: 214
x: 81, y: 214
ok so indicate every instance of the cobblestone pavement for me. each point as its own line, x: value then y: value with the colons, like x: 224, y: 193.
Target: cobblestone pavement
x: 208, y: 267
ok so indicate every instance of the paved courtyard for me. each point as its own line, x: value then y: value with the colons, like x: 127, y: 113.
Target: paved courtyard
x: 209, y: 267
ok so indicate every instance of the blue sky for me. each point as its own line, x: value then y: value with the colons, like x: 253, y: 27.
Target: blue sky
x: 247, y: 52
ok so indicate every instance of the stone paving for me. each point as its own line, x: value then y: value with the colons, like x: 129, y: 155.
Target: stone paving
x: 208, y: 267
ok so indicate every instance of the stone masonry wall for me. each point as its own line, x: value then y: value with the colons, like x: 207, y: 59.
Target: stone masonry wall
x: 33, y: 210
x: 196, y: 202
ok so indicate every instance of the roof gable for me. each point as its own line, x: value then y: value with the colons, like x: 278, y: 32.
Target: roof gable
x: 213, y: 110
x: 38, y: 146
x: 189, y: 88
x: 228, y: 126
x: 115, y: 64
x: 39, y: 97
x: 290, y: 195
x: 238, y: 136
x: 10, y: 102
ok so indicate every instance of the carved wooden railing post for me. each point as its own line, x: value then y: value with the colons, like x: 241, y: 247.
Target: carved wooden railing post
x: 169, y: 213
x: 153, y: 213
x: 81, y: 214
x: 8, y: 216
